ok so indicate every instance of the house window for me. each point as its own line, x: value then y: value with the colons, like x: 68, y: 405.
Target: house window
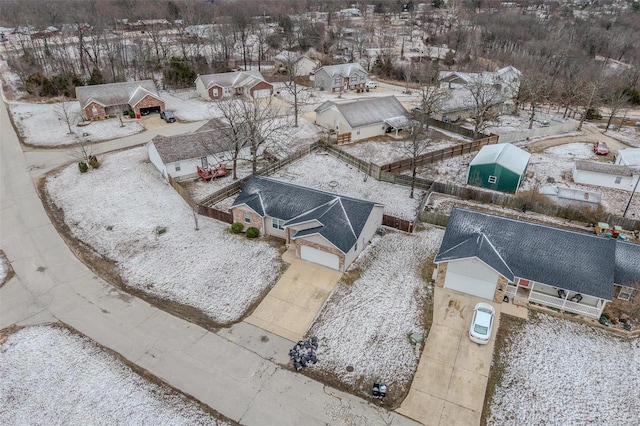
x: 214, y: 92
x: 277, y: 224
x: 358, y: 132
x: 247, y: 217
x: 227, y: 90
x: 177, y: 167
x: 354, y: 78
x: 337, y: 81
x: 618, y: 179
x: 205, y: 162
x: 493, y: 179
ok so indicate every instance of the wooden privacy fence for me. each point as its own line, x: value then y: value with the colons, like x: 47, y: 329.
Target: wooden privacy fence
x: 397, y: 223
x: 453, y: 128
x: 215, y: 213
x: 439, y: 155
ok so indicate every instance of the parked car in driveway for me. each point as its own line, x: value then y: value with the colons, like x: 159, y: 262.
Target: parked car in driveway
x: 601, y: 148
x: 168, y: 116
x: 482, y: 323
x: 371, y: 85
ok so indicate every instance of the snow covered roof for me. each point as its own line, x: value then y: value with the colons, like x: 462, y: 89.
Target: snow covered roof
x: 628, y: 157
x: 205, y: 141
x: 116, y: 93
x: 506, y: 155
x: 627, y: 261
x: 605, y: 168
x: 344, y: 70
x: 341, y: 218
x: 578, y: 262
x: 369, y: 111
x: 232, y: 79
x: 288, y: 56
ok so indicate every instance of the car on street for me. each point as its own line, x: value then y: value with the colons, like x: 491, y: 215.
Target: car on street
x: 371, y: 85
x: 600, y: 148
x: 482, y: 323
x: 168, y: 116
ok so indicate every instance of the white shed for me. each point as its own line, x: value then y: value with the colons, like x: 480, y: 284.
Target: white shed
x: 629, y: 157
x: 605, y: 174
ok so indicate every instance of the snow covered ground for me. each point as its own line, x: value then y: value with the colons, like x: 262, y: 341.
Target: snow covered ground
x: 628, y: 134
x: 50, y: 376
x: 4, y: 268
x: 127, y: 199
x: 40, y: 124
x: 366, y: 324
x: 559, y: 372
x: 325, y: 172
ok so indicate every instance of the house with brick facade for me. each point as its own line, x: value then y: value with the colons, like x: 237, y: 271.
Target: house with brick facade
x: 240, y: 83
x: 102, y: 100
x: 328, y: 229
x: 491, y: 257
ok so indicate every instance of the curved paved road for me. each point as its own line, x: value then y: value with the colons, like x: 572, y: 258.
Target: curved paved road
x: 235, y: 371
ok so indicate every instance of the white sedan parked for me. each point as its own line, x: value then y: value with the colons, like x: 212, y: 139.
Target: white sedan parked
x: 480, y: 330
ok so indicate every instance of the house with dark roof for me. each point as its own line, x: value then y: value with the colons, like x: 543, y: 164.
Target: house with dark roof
x: 609, y: 175
x: 361, y: 119
x: 506, y: 80
x: 102, y: 100
x: 491, y: 257
x: 325, y: 228
x: 239, y: 83
x: 335, y: 78
x: 179, y: 156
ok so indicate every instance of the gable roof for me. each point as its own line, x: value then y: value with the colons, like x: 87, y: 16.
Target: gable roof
x: 629, y: 157
x: 505, y: 154
x: 232, y: 79
x: 344, y: 70
x: 605, y: 168
x: 116, y: 93
x: 288, y: 56
x: 627, y: 263
x: 573, y: 261
x: 341, y: 218
x: 478, y: 246
x: 369, y: 111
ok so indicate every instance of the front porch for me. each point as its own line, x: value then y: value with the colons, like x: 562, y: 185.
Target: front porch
x: 555, y: 298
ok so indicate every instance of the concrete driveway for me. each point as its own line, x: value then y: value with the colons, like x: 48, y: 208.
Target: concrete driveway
x: 450, y: 383
x: 293, y: 303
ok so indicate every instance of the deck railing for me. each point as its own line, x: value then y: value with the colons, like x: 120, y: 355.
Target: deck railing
x: 564, y: 305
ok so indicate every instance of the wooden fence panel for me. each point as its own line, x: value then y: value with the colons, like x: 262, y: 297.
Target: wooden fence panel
x: 215, y: 214
x: 182, y: 192
x: 397, y: 223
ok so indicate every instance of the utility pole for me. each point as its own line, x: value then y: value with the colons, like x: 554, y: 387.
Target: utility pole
x: 631, y: 197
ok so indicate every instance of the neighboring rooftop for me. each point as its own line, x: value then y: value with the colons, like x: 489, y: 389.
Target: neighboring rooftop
x: 116, y: 93
x: 606, y: 168
x: 369, y: 111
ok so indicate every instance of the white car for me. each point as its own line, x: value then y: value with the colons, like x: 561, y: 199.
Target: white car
x: 480, y: 330
x: 371, y: 85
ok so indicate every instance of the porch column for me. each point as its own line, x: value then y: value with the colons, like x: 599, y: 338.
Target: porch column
x: 603, y: 302
x: 566, y: 296
x: 532, y: 286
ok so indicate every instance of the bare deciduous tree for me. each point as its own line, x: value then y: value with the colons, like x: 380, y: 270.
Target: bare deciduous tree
x: 65, y: 114
x: 482, y: 100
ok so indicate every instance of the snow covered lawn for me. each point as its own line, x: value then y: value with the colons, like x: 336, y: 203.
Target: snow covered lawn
x: 116, y: 209
x: 388, y: 150
x: 366, y: 324
x: 322, y: 171
x: 5, y: 268
x: 40, y: 125
x: 565, y: 373
x: 51, y: 376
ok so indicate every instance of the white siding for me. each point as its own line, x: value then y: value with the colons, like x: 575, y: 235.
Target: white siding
x: 471, y: 276
x: 374, y: 222
x: 332, y: 119
x: 202, y: 91
x: 270, y: 230
x: 323, y: 81
x: 600, y: 179
x: 188, y: 167
x: 155, y: 159
x: 367, y: 131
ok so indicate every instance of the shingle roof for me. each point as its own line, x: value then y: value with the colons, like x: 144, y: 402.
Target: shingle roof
x: 573, y: 261
x: 627, y: 263
x: 116, y: 93
x: 508, y: 156
x: 288, y: 56
x: 478, y: 246
x: 606, y: 168
x: 341, y: 219
x: 232, y: 79
x: 344, y: 70
x: 370, y: 111
x: 205, y: 141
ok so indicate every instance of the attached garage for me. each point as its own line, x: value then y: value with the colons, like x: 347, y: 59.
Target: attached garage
x: 324, y: 258
x: 263, y: 93
x: 471, y: 276
x: 150, y: 110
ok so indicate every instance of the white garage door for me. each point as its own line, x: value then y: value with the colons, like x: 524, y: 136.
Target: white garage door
x: 471, y: 277
x: 318, y: 256
x: 264, y: 93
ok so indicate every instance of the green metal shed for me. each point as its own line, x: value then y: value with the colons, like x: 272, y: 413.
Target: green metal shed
x: 500, y: 167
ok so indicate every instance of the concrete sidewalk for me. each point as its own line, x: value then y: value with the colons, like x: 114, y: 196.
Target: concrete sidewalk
x: 449, y: 385
x: 236, y: 371
x: 293, y: 303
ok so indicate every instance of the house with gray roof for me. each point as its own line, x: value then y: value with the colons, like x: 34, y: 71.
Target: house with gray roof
x: 239, y: 83
x: 506, y: 80
x: 325, y: 228
x: 297, y: 63
x: 361, y: 119
x: 609, y: 175
x: 335, y: 78
x: 491, y: 257
x: 102, y: 100
x: 179, y: 156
